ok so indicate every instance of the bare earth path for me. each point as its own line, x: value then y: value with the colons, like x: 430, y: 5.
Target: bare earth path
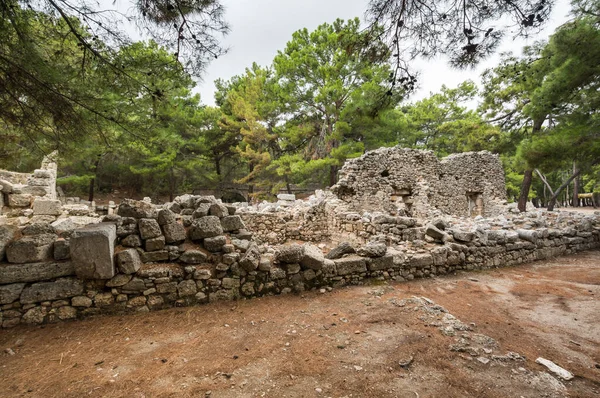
x: 367, y: 341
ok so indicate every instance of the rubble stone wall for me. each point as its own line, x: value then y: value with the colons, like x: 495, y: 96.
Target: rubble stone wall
x: 19, y: 191
x: 414, y: 182
x: 149, y: 274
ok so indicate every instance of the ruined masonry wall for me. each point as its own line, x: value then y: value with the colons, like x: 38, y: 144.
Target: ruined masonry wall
x: 48, y: 292
x: 19, y: 191
x: 415, y: 183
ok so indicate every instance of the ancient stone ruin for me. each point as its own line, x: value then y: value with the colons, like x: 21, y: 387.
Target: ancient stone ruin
x: 395, y: 214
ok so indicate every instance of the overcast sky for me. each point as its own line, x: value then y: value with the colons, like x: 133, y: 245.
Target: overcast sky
x: 259, y: 28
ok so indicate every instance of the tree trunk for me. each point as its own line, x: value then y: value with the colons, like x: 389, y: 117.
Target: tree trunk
x: 575, y: 186
x: 218, y: 165
x: 559, y: 190
x: 91, y: 189
x: 171, y: 185
x: 525, y: 186
x: 332, y: 175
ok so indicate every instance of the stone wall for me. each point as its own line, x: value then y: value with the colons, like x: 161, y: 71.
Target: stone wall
x: 159, y: 262
x: 411, y: 182
x: 19, y: 192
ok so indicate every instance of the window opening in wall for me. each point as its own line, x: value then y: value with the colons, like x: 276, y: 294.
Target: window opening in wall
x: 402, y: 199
x: 475, y: 204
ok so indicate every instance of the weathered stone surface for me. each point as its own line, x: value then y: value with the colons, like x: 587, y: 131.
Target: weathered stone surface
x: 62, y: 250
x: 205, y: 227
x: 136, y: 209
x: 166, y: 216
x: 421, y: 260
x: 35, y: 315
x: 193, y: 257
x: 30, y: 249
x: 7, y: 234
x: 434, y: 232
x: 528, y: 235
x: 129, y: 261
x: 174, y: 232
x: 19, y: 200
x: 134, y: 285
x: 81, y: 301
x: 149, y: 228
x: 66, y: 312
x: 340, y: 250
x: 312, y: 257
x: 266, y: 262
x: 10, y: 293
x: 372, y: 249
x: 202, y: 210
x: 155, y: 244
x: 104, y: 299
x: 350, y: 265
x: 240, y: 244
x: 186, y: 288
x: 63, y: 225
x: 47, y: 291
x: 47, y: 207
x: 33, y: 272
x: 92, y: 251
x: 214, y: 244
x: 219, y: 210
x: 289, y: 254
x: 381, y: 263
x: 153, y: 257
x: 277, y: 273
x: 232, y: 223
x: 132, y: 241
x: 38, y: 228
x: 250, y: 259
x: 138, y: 301
x: 462, y: 236
x: 119, y: 280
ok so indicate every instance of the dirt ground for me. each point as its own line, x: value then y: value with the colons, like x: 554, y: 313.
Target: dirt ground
x: 377, y: 340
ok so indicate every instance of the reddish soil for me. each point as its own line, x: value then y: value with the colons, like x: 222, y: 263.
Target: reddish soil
x: 351, y: 342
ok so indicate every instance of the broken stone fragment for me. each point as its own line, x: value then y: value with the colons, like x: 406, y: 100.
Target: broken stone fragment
x: 312, y: 257
x: 132, y: 241
x: 554, y: 368
x: 289, y: 254
x: 340, y: 250
x: 373, y: 249
x: 166, y: 216
x: 214, y: 244
x: 462, y: 236
x: 129, y: 261
x: 156, y: 256
x: 250, y: 259
x: 232, y: 223
x: 434, y: 232
x: 47, y: 207
x: 174, y: 232
x: 155, y: 244
x: 218, y: 210
x: 136, y: 209
x: 149, y: 228
x: 205, y: 227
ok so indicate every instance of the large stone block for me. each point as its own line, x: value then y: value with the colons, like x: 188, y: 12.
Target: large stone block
x: 153, y: 257
x: 340, y: 250
x: 92, y: 251
x: 10, y: 293
x: 47, y: 291
x: 31, y: 249
x: 166, y: 216
x: 193, y: 257
x: 46, y: 207
x: 19, y: 200
x: 136, y: 209
x: 174, y: 232
x: 350, y: 265
x: 290, y: 254
x: 129, y: 261
x: 33, y: 272
x: 313, y: 257
x: 381, y: 263
x: 250, y: 259
x: 149, y: 228
x: 205, y: 227
x: 232, y: 223
x: 215, y: 244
